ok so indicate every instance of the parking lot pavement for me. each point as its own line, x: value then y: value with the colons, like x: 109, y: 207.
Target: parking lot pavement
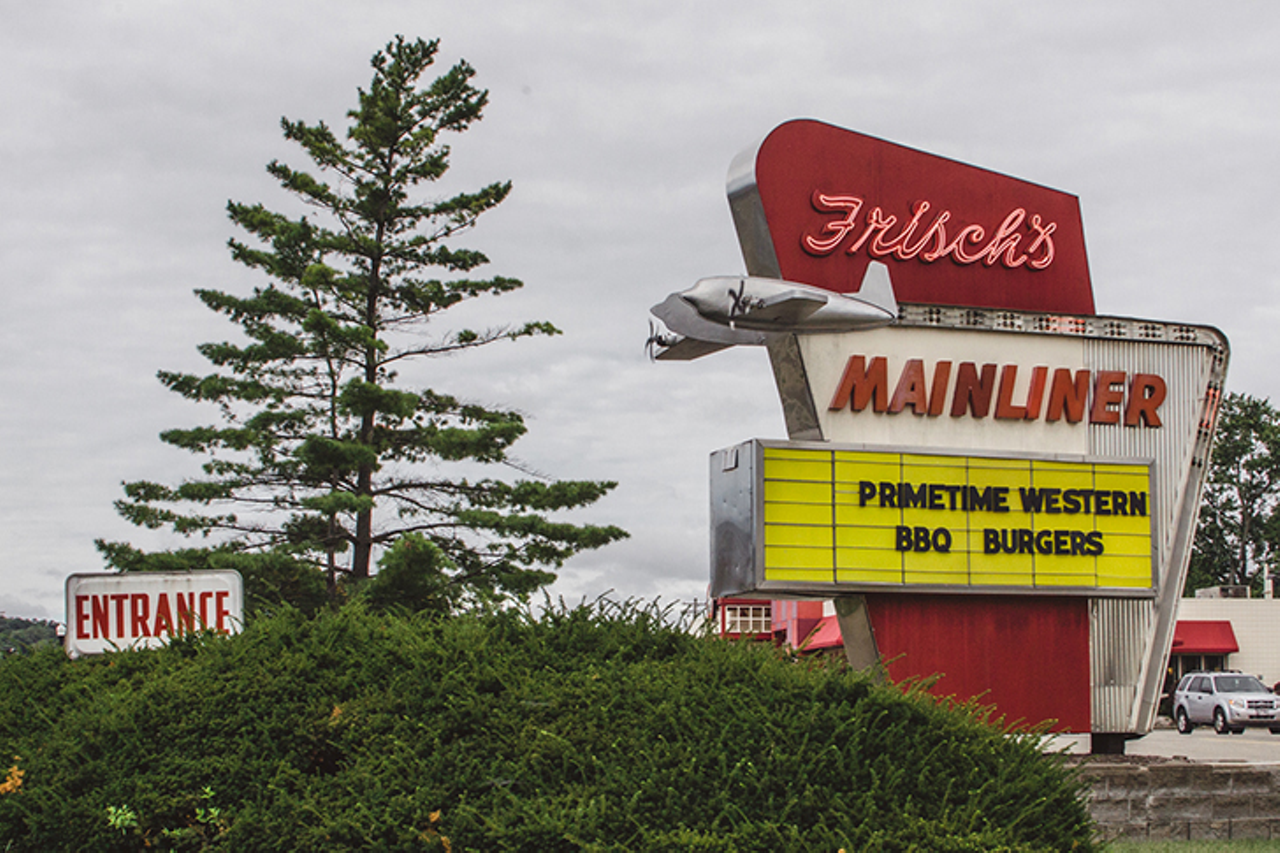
x: 1255, y: 746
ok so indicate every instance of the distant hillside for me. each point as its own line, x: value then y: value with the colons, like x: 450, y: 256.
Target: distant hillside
x: 18, y: 634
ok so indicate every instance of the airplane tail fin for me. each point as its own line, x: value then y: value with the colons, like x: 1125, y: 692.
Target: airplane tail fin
x: 877, y: 288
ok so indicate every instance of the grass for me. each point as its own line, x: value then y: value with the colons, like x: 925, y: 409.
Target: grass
x: 1192, y: 846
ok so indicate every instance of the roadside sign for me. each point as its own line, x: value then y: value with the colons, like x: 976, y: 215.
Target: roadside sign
x: 109, y: 612
x: 996, y: 484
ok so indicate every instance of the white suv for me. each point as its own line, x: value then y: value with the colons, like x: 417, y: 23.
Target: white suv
x: 1229, y: 701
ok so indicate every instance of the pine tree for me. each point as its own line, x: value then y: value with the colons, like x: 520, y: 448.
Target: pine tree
x: 319, y: 453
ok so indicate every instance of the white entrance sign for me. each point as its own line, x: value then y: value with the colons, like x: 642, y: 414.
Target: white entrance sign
x: 107, y: 612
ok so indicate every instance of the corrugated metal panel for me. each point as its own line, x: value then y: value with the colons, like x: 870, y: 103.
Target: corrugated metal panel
x: 1186, y: 371
x: 1119, y: 634
x: 1124, y: 643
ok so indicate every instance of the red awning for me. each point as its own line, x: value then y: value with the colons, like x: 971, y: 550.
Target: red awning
x: 825, y: 635
x: 1204, y: 637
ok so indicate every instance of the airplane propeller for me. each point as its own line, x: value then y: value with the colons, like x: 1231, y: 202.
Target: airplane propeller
x: 738, y: 305
x: 657, y: 339
x: 741, y: 303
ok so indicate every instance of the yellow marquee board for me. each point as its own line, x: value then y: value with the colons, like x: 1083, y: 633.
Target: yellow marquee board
x: 871, y: 518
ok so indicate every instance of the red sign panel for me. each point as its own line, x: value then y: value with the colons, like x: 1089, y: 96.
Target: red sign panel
x: 1027, y: 656
x: 952, y: 234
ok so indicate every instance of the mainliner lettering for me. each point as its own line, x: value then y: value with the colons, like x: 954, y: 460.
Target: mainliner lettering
x: 1105, y: 396
x: 928, y: 243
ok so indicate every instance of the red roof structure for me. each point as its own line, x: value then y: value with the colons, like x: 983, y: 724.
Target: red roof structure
x: 825, y: 635
x: 1204, y: 637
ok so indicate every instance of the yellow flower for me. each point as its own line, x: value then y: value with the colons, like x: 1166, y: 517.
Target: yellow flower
x: 12, y: 782
x: 432, y: 834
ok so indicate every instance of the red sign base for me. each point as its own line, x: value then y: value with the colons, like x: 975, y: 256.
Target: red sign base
x: 1027, y: 656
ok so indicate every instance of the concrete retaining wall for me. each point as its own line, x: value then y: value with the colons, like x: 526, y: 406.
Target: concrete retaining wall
x: 1183, y: 800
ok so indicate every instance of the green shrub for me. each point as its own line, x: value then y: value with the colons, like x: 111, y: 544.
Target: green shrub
x: 591, y: 728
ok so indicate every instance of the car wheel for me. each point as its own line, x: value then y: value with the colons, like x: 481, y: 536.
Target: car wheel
x: 1185, y: 725
x: 1275, y: 730
x: 1220, y: 722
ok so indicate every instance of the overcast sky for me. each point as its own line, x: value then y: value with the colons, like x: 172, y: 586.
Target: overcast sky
x: 126, y: 126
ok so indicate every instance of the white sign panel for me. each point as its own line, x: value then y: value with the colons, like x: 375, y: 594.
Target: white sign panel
x: 107, y: 612
x: 916, y: 394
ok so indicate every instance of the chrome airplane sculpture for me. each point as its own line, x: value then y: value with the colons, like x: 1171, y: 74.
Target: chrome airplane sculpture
x: 726, y: 311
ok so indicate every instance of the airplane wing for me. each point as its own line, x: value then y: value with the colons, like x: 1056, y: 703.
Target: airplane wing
x: 687, y: 349
x: 789, y: 308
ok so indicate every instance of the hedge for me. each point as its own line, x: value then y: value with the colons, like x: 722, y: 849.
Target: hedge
x: 599, y: 727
